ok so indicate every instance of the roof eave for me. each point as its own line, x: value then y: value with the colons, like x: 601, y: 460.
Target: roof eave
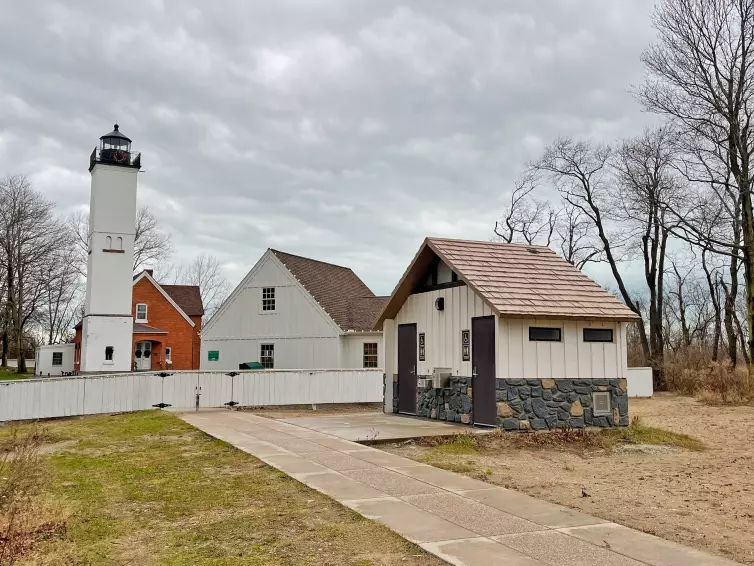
x: 396, y: 302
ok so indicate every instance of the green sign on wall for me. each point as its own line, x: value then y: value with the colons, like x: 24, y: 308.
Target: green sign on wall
x: 213, y: 355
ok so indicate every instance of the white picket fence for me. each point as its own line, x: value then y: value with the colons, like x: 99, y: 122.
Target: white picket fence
x: 88, y: 395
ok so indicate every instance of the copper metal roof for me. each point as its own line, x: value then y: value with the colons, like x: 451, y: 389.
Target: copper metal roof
x: 516, y: 280
x: 338, y: 290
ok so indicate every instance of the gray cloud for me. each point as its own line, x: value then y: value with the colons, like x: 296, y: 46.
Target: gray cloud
x: 345, y: 131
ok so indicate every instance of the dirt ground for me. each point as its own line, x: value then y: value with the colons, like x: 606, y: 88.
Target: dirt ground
x: 701, y: 499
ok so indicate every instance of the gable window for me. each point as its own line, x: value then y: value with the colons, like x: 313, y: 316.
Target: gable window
x: 370, y: 354
x: 141, y: 312
x: 598, y: 335
x: 109, y: 353
x: 267, y: 356
x: 268, y: 299
x: 57, y: 358
x: 544, y: 334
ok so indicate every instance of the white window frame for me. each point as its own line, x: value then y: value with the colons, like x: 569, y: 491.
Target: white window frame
x: 169, y: 354
x: 376, y: 355
x: 146, y: 312
x: 261, y: 358
x: 269, y: 299
x: 112, y: 355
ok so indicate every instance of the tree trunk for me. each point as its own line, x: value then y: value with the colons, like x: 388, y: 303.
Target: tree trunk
x: 731, y: 335
x: 19, y: 326
x: 730, y: 312
x: 742, y: 339
x: 4, y: 359
x: 715, y: 298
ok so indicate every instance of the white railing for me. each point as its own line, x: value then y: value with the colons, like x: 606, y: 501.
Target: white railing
x: 640, y: 382
x: 88, y: 395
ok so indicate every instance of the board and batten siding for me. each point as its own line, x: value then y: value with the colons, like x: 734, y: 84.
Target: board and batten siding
x: 516, y: 356
x: 303, y: 335
x: 442, y: 330
x: 569, y: 358
x: 352, y: 356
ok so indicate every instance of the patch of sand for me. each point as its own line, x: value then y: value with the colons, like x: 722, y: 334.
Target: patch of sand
x: 701, y: 499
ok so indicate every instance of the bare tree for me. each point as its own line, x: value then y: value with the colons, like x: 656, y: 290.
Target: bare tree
x: 527, y: 218
x: 700, y: 76
x: 30, y: 235
x: 4, y: 313
x: 152, y: 246
x: 536, y: 221
x: 61, y: 286
x: 575, y: 237
x: 604, y: 186
x: 711, y: 276
x: 206, y: 273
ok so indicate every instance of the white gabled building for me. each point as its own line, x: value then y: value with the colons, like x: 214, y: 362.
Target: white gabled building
x: 292, y: 312
x: 504, y: 335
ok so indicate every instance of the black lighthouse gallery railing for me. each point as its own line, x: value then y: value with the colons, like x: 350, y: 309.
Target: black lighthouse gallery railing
x: 119, y: 157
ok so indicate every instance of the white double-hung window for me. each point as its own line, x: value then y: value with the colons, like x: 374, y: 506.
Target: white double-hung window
x: 141, y: 312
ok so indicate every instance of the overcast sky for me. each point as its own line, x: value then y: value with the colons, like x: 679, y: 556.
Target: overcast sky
x: 345, y: 131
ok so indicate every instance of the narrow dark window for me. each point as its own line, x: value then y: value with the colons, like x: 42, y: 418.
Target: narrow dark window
x: 267, y: 356
x: 268, y: 298
x: 598, y: 335
x: 370, y: 354
x: 57, y: 358
x: 109, y: 353
x: 542, y: 334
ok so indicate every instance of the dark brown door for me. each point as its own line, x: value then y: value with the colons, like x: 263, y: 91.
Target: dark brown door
x: 483, y: 364
x: 407, y: 369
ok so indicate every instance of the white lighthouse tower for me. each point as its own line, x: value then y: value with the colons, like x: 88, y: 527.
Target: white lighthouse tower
x: 108, y: 324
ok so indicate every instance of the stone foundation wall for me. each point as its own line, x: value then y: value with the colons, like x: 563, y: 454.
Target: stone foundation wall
x: 452, y: 404
x: 527, y: 404
x: 540, y: 404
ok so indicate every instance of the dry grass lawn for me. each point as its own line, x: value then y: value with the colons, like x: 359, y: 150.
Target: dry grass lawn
x: 148, y: 489
x: 656, y: 482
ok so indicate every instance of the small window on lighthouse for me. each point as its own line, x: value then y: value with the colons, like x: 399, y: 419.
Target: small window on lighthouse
x: 109, y: 353
x: 108, y: 243
x: 120, y: 243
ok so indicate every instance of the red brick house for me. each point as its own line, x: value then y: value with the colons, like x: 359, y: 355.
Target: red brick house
x: 167, y: 326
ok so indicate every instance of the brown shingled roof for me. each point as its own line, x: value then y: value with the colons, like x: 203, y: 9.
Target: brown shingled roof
x: 188, y: 297
x: 517, y: 280
x: 338, y: 290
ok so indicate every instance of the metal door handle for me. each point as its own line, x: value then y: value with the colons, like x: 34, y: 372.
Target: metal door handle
x: 413, y: 371
x: 473, y: 372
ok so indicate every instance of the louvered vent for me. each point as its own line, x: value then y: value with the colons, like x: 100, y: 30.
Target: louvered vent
x: 601, y: 403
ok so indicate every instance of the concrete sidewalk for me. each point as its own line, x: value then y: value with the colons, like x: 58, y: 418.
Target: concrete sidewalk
x: 361, y: 427
x: 461, y: 520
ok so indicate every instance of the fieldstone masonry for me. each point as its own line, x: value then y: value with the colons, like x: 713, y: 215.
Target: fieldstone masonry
x: 452, y: 404
x: 540, y: 404
x: 527, y: 404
